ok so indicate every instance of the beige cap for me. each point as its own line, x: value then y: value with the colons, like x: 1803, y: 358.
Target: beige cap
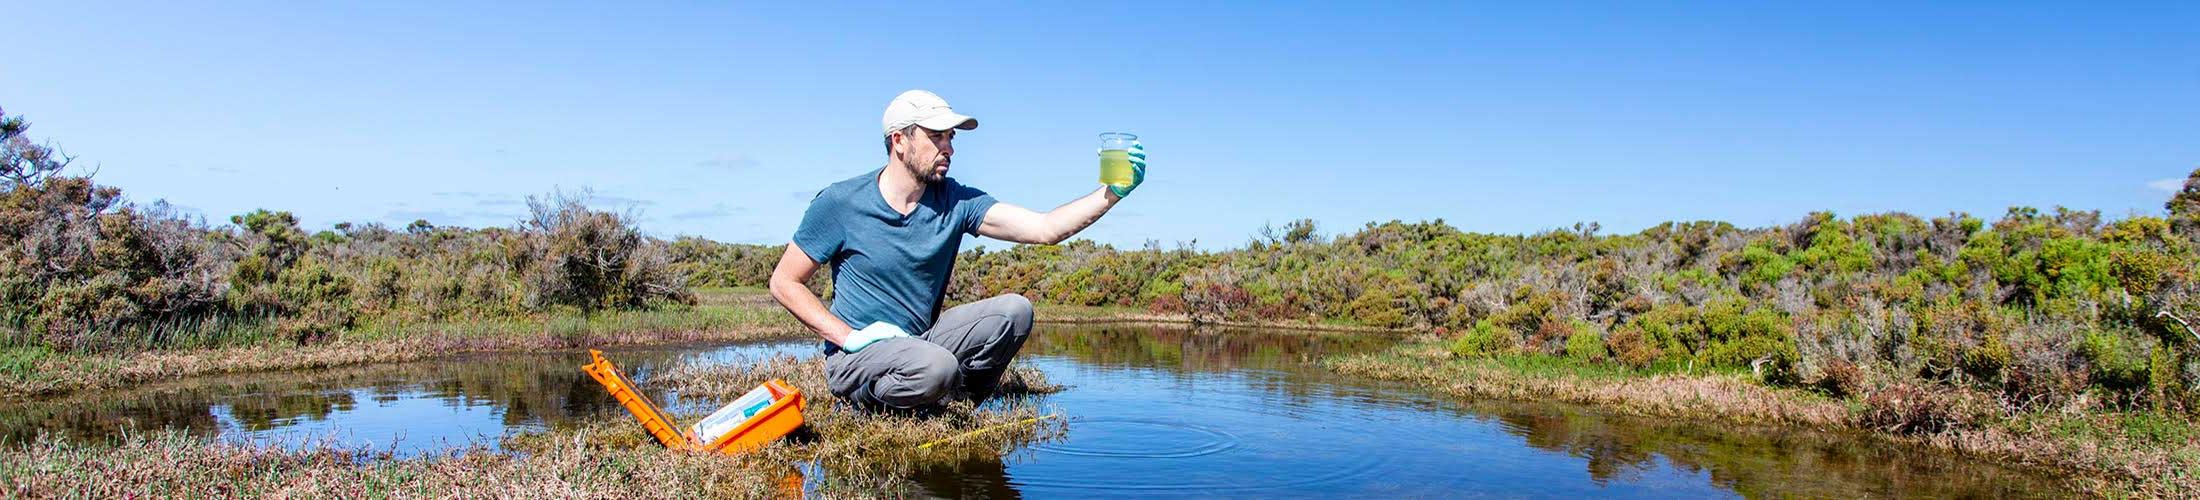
x: 924, y: 109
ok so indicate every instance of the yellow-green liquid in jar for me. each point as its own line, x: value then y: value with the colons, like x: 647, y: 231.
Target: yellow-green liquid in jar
x: 1115, y: 167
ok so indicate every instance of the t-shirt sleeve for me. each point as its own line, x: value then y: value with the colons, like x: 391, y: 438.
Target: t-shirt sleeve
x: 970, y: 206
x: 821, y: 234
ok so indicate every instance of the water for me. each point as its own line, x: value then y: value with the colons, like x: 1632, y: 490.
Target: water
x: 1151, y: 412
x: 1115, y: 167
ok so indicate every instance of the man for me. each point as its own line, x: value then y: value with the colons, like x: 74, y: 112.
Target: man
x: 891, y: 236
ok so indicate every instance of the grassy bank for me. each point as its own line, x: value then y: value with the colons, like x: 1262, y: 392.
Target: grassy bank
x: 2105, y: 450
x: 610, y: 457
x: 720, y: 315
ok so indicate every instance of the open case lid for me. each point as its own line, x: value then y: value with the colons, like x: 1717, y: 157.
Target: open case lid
x: 622, y: 389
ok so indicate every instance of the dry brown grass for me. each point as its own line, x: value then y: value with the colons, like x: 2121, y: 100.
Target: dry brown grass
x: 880, y: 446
x: 2105, y: 467
x: 172, y: 464
x: 861, y: 455
x: 1950, y: 420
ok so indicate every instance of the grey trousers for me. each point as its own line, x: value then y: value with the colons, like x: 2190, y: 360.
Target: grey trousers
x: 967, y: 350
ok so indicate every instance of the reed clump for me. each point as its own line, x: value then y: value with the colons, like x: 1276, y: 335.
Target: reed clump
x: 855, y: 444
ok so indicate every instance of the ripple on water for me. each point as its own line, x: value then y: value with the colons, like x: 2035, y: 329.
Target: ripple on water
x: 1154, y: 456
x: 1141, y: 438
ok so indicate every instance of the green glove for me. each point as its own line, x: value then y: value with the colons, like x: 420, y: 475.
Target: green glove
x: 1138, y: 171
x: 859, y: 339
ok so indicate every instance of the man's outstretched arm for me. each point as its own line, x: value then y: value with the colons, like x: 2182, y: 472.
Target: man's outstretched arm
x: 1018, y: 224
x: 787, y: 285
x: 1021, y: 225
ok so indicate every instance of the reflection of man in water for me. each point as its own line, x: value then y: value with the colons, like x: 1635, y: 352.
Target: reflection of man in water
x: 891, y: 236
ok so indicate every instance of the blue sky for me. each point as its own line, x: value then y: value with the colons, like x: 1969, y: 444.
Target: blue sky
x: 721, y: 120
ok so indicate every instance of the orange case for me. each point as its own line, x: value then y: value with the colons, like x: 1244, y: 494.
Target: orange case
x: 783, y: 416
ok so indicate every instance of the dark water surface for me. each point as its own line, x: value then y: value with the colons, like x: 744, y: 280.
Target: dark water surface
x: 1151, y: 412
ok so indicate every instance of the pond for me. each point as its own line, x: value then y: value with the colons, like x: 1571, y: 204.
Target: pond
x: 1151, y: 411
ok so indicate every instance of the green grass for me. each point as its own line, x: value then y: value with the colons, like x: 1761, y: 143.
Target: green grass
x: 22, y: 361
x: 186, y: 332
x: 2142, y: 428
x: 1539, y: 365
x: 2156, y: 428
x: 719, y: 315
x: 715, y: 309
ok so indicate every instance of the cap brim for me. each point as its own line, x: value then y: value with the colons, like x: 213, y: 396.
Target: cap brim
x: 948, y: 121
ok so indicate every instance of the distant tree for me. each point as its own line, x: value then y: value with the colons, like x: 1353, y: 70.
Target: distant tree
x: 276, y: 277
x: 82, y: 269
x: 592, y: 259
x: 22, y: 162
x: 1587, y: 229
x: 2184, y: 208
x: 1299, y: 231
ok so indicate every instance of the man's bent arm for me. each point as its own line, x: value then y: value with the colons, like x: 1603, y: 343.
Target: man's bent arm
x: 787, y: 287
x: 1018, y: 224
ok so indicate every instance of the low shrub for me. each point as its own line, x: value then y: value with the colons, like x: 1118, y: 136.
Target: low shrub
x: 1485, y: 339
x: 1586, y: 344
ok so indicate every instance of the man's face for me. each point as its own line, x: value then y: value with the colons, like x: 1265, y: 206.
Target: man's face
x: 927, y: 153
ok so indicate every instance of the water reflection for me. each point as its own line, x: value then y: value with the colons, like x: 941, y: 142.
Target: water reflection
x: 1758, y: 460
x: 415, y: 407
x: 1150, y: 412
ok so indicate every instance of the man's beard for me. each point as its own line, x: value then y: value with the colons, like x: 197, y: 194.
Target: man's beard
x: 925, y: 174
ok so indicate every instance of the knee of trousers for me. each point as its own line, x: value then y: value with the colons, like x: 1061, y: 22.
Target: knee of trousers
x: 1019, y: 313
x: 921, y: 380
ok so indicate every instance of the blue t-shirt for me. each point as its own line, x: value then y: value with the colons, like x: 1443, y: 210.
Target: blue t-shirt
x: 888, y: 266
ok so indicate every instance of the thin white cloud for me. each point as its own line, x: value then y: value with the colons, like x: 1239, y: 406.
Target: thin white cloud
x: 715, y: 211
x: 734, y: 162
x: 619, y: 201
x: 2170, y: 185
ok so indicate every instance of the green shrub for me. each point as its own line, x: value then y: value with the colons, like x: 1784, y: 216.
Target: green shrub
x: 2168, y: 391
x: 1765, y: 266
x: 1672, y: 329
x: 1586, y: 344
x: 1485, y: 339
x: 592, y: 259
x: 1986, y: 360
x: 2119, y: 358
